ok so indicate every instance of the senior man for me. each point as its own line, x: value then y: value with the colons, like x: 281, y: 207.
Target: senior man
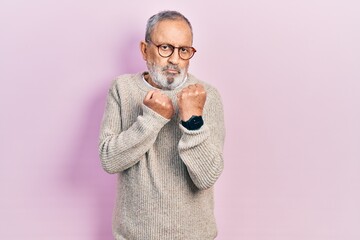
x: 162, y: 133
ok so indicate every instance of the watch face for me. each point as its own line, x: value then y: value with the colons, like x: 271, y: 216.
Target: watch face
x: 194, y: 123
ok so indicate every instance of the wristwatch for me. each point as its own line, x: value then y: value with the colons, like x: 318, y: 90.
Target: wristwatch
x: 194, y: 123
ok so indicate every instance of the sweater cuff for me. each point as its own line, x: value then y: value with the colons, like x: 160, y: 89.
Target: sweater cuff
x: 153, y: 118
x: 191, y: 138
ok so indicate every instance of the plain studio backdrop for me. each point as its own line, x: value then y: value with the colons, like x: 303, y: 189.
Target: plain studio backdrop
x: 288, y: 72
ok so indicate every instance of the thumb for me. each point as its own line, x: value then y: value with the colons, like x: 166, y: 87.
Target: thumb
x: 149, y: 95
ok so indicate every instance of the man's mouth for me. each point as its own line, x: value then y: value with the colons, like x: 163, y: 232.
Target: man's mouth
x: 171, y: 70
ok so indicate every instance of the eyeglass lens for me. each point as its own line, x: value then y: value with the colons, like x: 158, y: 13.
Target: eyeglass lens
x: 165, y: 50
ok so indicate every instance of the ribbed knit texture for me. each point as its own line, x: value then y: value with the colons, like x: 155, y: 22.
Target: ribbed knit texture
x: 166, y: 173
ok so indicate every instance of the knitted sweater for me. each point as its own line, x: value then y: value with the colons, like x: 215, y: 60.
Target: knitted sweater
x: 165, y: 172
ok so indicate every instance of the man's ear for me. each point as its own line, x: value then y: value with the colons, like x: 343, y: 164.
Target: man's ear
x: 143, y: 49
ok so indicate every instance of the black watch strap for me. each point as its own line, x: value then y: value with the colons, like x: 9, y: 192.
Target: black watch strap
x: 194, y: 123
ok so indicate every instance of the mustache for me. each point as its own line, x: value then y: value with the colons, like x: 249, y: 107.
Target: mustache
x: 171, y: 67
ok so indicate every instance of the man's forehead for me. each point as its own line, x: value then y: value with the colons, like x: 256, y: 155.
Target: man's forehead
x: 175, y: 32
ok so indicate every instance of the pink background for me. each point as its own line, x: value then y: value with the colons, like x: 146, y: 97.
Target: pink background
x: 289, y: 75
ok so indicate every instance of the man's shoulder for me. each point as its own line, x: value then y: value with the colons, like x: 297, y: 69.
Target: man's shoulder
x: 126, y: 78
x: 125, y: 82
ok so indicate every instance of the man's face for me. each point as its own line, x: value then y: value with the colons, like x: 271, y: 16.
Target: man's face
x: 168, y: 72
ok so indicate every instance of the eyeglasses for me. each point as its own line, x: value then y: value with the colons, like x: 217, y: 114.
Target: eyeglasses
x: 166, y: 50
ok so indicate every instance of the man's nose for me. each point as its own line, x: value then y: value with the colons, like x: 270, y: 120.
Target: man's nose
x: 174, y: 57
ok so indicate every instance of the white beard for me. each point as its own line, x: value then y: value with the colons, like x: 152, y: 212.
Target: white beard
x: 166, y: 81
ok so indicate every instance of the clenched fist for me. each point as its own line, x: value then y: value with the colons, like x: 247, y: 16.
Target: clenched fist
x: 160, y: 103
x: 191, y: 101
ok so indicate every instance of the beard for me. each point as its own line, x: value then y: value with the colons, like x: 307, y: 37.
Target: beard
x: 165, y: 80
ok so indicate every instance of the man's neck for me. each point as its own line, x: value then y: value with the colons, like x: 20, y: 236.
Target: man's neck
x: 150, y: 81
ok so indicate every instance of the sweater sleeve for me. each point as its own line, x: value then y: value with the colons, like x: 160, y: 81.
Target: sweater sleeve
x: 202, y: 150
x: 118, y: 149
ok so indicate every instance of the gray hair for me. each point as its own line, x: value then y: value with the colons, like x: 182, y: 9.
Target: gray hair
x: 161, y: 16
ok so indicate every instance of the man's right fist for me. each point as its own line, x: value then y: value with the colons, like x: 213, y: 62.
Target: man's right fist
x: 160, y: 103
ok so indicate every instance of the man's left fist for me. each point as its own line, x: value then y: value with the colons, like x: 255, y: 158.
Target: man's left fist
x: 191, y: 101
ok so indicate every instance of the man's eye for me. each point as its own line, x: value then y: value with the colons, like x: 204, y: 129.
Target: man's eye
x: 165, y: 47
x: 184, y: 50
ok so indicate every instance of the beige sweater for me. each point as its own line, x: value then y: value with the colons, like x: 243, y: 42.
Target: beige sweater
x: 165, y: 172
